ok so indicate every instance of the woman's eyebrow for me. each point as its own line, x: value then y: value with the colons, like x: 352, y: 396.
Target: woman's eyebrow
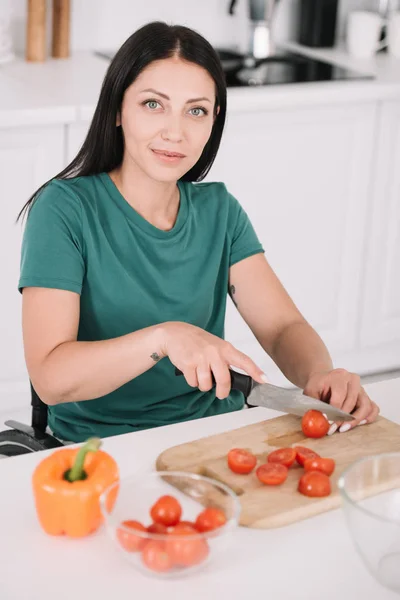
x: 153, y: 91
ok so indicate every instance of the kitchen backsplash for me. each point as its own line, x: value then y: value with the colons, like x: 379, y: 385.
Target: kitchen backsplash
x: 107, y: 23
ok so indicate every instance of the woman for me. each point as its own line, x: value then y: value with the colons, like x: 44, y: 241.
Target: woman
x: 126, y: 264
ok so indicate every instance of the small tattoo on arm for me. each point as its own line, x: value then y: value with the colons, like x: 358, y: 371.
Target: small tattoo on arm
x: 232, y: 291
x: 155, y: 357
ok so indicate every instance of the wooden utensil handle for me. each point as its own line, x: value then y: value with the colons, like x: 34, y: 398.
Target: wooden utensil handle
x: 239, y: 381
x: 36, y: 31
x: 61, y: 29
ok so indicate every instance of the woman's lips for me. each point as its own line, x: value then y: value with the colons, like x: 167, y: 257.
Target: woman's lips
x: 168, y: 156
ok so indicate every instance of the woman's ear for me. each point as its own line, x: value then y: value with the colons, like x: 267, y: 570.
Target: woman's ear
x: 216, y: 113
x: 118, y: 123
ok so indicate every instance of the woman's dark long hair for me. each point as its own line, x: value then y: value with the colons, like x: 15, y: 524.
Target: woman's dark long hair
x: 103, y: 148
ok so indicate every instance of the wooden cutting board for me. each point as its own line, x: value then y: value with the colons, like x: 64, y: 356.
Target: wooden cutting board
x: 270, y: 506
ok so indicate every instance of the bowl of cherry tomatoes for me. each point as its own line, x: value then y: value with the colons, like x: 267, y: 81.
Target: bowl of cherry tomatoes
x: 170, y: 523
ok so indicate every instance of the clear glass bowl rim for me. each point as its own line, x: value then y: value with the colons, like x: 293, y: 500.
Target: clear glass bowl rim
x: 353, y: 466
x: 110, y: 519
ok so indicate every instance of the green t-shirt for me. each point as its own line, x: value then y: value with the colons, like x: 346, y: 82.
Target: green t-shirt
x: 83, y: 236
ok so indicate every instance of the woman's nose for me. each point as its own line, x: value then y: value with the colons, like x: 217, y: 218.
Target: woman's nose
x: 173, y: 130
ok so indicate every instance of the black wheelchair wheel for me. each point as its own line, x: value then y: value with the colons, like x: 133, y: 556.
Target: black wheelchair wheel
x: 15, y: 443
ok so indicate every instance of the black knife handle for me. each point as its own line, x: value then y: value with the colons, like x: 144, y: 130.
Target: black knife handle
x: 239, y: 381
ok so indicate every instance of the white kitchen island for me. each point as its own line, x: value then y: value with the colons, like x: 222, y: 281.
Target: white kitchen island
x: 309, y: 560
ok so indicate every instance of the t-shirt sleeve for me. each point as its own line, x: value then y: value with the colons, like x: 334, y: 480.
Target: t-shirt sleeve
x: 244, y: 240
x: 52, y: 243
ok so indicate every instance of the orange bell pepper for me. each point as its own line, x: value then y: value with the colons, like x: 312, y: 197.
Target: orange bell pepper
x: 67, y: 485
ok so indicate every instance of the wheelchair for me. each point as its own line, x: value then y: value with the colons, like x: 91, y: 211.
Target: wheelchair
x: 22, y: 438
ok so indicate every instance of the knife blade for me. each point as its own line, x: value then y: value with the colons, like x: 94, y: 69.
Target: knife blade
x: 291, y: 401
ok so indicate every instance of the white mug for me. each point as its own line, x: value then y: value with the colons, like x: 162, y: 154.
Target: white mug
x: 393, y: 35
x: 363, y: 34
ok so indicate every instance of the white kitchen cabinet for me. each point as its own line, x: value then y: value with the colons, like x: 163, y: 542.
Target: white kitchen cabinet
x: 303, y: 176
x: 380, y: 323
x: 28, y: 158
x: 75, y: 136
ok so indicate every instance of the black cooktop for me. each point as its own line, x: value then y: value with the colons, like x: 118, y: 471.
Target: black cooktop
x: 281, y: 68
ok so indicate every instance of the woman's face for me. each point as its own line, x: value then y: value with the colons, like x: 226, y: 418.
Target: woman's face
x: 169, y: 109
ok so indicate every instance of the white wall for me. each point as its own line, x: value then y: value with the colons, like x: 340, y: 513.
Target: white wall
x: 107, y: 23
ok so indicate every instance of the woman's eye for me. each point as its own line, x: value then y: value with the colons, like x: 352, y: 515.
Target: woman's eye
x: 152, y: 104
x: 198, y: 112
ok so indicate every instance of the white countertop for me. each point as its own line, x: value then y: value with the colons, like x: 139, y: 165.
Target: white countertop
x: 309, y: 560
x: 66, y: 90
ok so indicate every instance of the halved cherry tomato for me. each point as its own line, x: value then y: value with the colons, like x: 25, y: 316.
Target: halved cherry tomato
x: 130, y: 541
x: 241, y: 461
x: 325, y: 465
x: 156, y: 557
x: 282, y: 456
x: 166, y: 511
x: 186, y: 551
x: 314, y: 424
x: 302, y: 453
x: 314, y: 484
x: 272, y: 473
x: 210, y: 518
x: 157, y: 528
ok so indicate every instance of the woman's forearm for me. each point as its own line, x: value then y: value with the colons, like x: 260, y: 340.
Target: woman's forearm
x: 76, y: 371
x: 299, y: 351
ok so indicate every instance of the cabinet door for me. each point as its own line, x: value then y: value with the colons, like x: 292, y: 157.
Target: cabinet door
x: 76, y: 134
x: 28, y: 158
x: 381, y: 295
x: 303, y: 178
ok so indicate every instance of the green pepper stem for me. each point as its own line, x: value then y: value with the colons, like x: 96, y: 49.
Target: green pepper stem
x: 76, y: 472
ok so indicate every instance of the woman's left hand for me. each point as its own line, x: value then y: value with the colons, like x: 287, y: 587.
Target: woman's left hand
x: 343, y: 390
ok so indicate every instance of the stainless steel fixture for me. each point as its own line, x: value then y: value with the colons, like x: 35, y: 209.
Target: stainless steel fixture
x: 262, y: 16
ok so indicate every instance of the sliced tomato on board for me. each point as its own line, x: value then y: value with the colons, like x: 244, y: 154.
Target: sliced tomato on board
x: 241, y: 461
x: 324, y: 465
x: 302, y: 453
x: 272, y: 473
x: 282, y: 456
x: 314, y: 424
x: 314, y: 484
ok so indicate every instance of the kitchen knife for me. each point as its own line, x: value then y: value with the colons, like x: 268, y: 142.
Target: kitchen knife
x: 285, y: 400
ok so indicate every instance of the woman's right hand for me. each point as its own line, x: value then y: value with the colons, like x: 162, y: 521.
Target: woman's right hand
x: 199, y: 354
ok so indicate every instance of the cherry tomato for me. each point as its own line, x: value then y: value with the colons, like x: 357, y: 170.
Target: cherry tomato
x: 325, y: 465
x: 283, y: 456
x: 314, y: 424
x: 314, y: 484
x: 130, y: 541
x: 183, y: 526
x: 156, y: 557
x: 272, y: 473
x: 209, y: 519
x: 157, y: 528
x: 241, y: 461
x: 188, y: 523
x: 302, y: 453
x: 166, y: 511
x: 186, y: 551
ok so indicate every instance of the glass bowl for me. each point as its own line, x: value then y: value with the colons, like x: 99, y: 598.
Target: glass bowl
x: 160, y: 554
x: 370, y: 494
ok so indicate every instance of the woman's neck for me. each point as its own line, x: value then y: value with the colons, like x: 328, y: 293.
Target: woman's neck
x: 155, y: 201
